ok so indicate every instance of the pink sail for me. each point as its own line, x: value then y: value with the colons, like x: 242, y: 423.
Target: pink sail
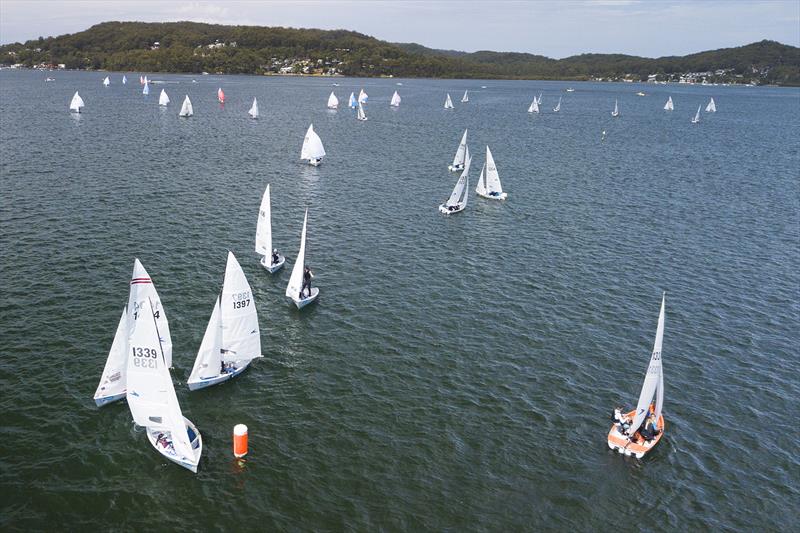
x: 220, y: 96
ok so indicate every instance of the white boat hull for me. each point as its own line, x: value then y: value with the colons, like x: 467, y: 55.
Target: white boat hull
x: 105, y: 400
x: 501, y: 196
x: 302, y: 302
x: 455, y: 168
x: 221, y: 378
x: 274, y: 267
x: 196, y: 441
x: 315, y: 162
x: 445, y: 211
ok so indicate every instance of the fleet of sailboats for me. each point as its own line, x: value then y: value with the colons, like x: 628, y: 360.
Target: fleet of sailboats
x: 461, y: 155
x: 489, y: 181
x: 253, y: 112
x: 312, y: 149
x: 294, y: 290
x: 271, y: 259
x: 457, y: 201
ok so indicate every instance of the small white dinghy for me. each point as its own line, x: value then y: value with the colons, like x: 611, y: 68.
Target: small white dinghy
x: 333, y: 102
x: 106, y: 82
x: 615, y: 113
x: 448, y: 103
x: 696, y: 117
x: 232, y: 339
x: 465, y: 98
x: 124, y: 79
x: 395, y: 100
x: 362, y: 97
x: 253, y: 112
x: 264, y: 236
x: 669, y: 105
x: 113, y: 382
x: 557, y: 108
x: 146, y: 89
x: 163, y: 99
x: 186, y: 108
x: 352, y: 102
x: 489, y: 181
x: 151, y: 396
x: 76, y: 104
x: 461, y: 154
x: 711, y: 107
x: 312, y: 149
x: 361, y: 115
x: 534, y: 107
x: 296, y: 279
x: 458, y: 198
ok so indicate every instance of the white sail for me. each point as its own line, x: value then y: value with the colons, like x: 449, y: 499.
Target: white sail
x: 186, y: 108
x: 113, y: 380
x: 106, y: 82
x: 124, y: 79
x: 362, y: 97
x: 241, y: 340
x: 77, y: 103
x: 696, y: 118
x: 208, y: 363
x: 448, y: 103
x: 534, y: 107
x: 539, y: 100
x: 264, y: 226
x: 146, y: 89
x: 352, y: 102
x: 459, y: 193
x: 143, y: 290
x: 669, y: 106
x: 395, y: 100
x: 361, y: 115
x: 711, y: 107
x: 253, y: 109
x: 163, y: 99
x: 461, y: 152
x: 557, y: 108
x: 481, y: 187
x: 312, y: 145
x: 296, y: 279
x: 465, y: 98
x: 492, y: 177
x: 615, y: 113
x: 653, y: 380
x: 333, y: 102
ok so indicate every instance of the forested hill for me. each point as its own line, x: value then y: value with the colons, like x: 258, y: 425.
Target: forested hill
x: 196, y: 47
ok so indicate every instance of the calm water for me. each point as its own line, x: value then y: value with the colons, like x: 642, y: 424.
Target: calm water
x: 457, y: 373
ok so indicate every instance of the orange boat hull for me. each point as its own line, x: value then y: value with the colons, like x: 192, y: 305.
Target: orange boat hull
x: 636, y: 447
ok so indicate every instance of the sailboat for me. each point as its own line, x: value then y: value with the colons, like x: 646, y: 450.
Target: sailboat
x: 534, y: 107
x: 352, y: 102
x: 557, y: 108
x: 539, y: 100
x: 333, y: 102
x: 625, y: 437
x: 146, y: 89
x: 151, y: 395
x: 232, y: 339
x: 163, y: 99
x: 77, y: 103
x: 186, y: 108
x: 146, y: 81
x: 312, y: 148
x: 113, y: 381
x: 296, y: 279
x: 448, y: 103
x: 253, y: 109
x: 696, y: 118
x: 360, y: 115
x: 461, y: 154
x: 465, y: 98
x: 141, y: 80
x: 458, y: 198
x: 489, y: 181
x: 711, y: 107
x: 220, y: 96
x: 264, y: 235
x: 362, y: 97
x: 668, y: 106
x: 395, y: 100
x: 570, y: 90
x: 106, y: 82
x: 124, y: 79
x: 615, y: 113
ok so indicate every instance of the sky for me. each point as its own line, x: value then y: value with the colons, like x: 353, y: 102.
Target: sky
x: 650, y: 28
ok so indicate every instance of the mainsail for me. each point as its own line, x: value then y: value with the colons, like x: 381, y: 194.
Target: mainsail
x: 654, y: 379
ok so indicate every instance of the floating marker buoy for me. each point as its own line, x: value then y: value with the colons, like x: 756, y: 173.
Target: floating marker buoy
x: 239, y: 440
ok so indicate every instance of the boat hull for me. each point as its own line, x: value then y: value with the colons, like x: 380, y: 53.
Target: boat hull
x: 637, y: 447
x: 203, y: 383
x: 445, y: 211
x: 190, y: 463
x: 105, y: 400
x: 501, y: 196
x: 455, y: 168
x: 275, y: 267
x: 302, y: 302
x: 315, y: 162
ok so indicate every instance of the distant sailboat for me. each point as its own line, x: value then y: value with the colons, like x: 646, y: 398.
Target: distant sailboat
x: 141, y: 80
x: 696, y: 118
x: 461, y: 155
x: 186, y: 108
x: 615, y: 113
x: 557, y: 108
x: 465, y: 98
x: 352, y: 102
x: 711, y: 107
x: 232, y: 339
x: 448, y: 103
x: 360, y: 115
x: 163, y: 99
x: 333, y: 102
x: 253, y: 109
x: 668, y: 106
x: 264, y: 236
x: 626, y: 434
x: 220, y: 96
x: 362, y: 97
x: 124, y: 79
x: 458, y: 198
x: 296, y: 279
x: 395, y: 100
x: 489, y: 181
x: 106, y: 82
x: 76, y: 104
x: 534, y: 107
x: 151, y: 396
x: 312, y: 149
x: 539, y: 100
x: 570, y: 90
x: 146, y: 89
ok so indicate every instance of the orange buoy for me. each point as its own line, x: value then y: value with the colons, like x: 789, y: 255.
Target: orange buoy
x: 239, y: 440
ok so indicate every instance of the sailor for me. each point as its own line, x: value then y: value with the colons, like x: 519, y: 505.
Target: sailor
x: 307, y: 277
x: 275, y: 256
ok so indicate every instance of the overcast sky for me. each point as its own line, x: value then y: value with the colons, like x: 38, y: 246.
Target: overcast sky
x: 557, y: 29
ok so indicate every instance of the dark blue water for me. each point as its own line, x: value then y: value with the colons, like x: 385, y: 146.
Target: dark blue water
x: 457, y: 373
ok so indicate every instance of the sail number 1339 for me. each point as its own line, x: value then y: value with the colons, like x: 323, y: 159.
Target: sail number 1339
x: 144, y: 357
